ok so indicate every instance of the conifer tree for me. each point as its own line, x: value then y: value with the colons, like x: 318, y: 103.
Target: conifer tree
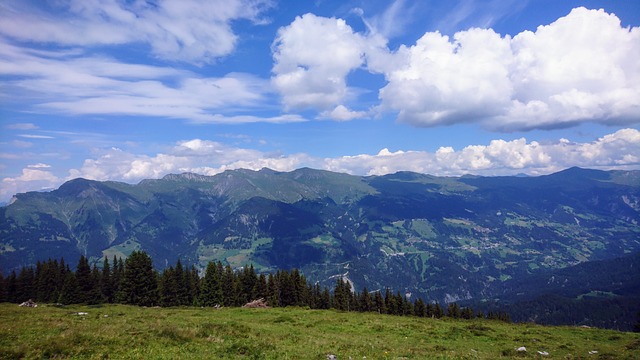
x: 194, y: 285
x: 379, y: 304
x: 25, y: 284
x: 453, y: 311
x: 325, y: 299
x: 182, y: 285
x: 70, y: 292
x: 106, y: 284
x: 229, y: 287
x: 84, y: 281
x: 466, y: 313
x: 139, y: 284
x: 259, y: 290
x: 366, y: 303
x: 95, y: 294
x: 248, y: 279
x: 12, y: 287
x: 342, y: 296
x: 420, y: 309
x: 273, y: 292
x: 168, y: 288
x: 437, y: 311
x: 3, y: 288
x: 211, y: 291
x: 390, y: 303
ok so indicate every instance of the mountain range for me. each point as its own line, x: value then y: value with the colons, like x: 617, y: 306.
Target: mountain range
x: 469, y: 238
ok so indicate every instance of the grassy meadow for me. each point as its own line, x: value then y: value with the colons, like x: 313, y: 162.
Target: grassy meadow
x: 127, y: 332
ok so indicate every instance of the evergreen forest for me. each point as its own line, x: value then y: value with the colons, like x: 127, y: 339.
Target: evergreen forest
x: 134, y: 281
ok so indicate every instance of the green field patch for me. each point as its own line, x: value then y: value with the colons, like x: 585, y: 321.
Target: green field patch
x: 423, y: 228
x: 122, y: 250
x: 323, y: 240
x: 458, y: 222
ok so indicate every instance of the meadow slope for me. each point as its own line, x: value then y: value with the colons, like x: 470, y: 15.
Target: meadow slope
x: 127, y: 332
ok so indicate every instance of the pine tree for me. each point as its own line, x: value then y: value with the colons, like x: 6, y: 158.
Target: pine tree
x: 95, y: 294
x: 466, y: 313
x: 12, y: 287
x: 182, y: 288
x: 390, y: 303
x: 419, y: 308
x: 259, y: 290
x: 379, y: 304
x: 453, y: 311
x: 139, y: 284
x: 211, y: 291
x: 366, y: 303
x: 229, y: 287
x: 168, y: 288
x: 106, y: 285
x: 70, y: 292
x: 25, y: 284
x: 437, y: 311
x: 342, y: 296
x: 84, y: 280
x: 118, y: 275
x: 273, y: 292
x: 325, y: 299
x: 194, y: 285
x: 3, y: 288
x: 248, y: 280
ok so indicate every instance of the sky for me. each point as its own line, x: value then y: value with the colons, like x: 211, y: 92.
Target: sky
x: 126, y: 90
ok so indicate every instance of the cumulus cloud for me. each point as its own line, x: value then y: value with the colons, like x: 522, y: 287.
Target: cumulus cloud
x: 619, y: 150
x: 312, y: 57
x: 580, y: 68
x: 184, y: 30
x: 342, y: 113
x: 196, y: 155
x: 32, y: 178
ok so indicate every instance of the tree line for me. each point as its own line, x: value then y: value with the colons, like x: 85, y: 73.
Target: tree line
x: 135, y: 282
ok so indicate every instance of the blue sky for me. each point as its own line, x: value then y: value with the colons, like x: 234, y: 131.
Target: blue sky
x: 127, y: 90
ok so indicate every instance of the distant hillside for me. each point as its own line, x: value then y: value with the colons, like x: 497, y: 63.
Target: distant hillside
x: 441, y: 238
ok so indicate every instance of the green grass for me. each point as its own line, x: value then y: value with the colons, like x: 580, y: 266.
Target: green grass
x: 125, y: 332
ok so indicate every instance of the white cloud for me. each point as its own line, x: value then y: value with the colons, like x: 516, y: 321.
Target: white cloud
x: 619, y: 150
x: 39, y: 166
x: 79, y: 85
x: 312, y: 56
x: 32, y: 136
x: 184, y: 30
x: 444, y: 82
x: 581, y: 68
x: 30, y: 179
x: 21, y: 126
x: 342, y: 113
x: 198, y: 156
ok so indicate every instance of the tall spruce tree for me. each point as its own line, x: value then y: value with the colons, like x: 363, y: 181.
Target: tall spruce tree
x: 106, y: 285
x: 139, y: 284
x: 211, y: 290
x: 3, y: 288
x: 84, y: 280
x: 70, y: 292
